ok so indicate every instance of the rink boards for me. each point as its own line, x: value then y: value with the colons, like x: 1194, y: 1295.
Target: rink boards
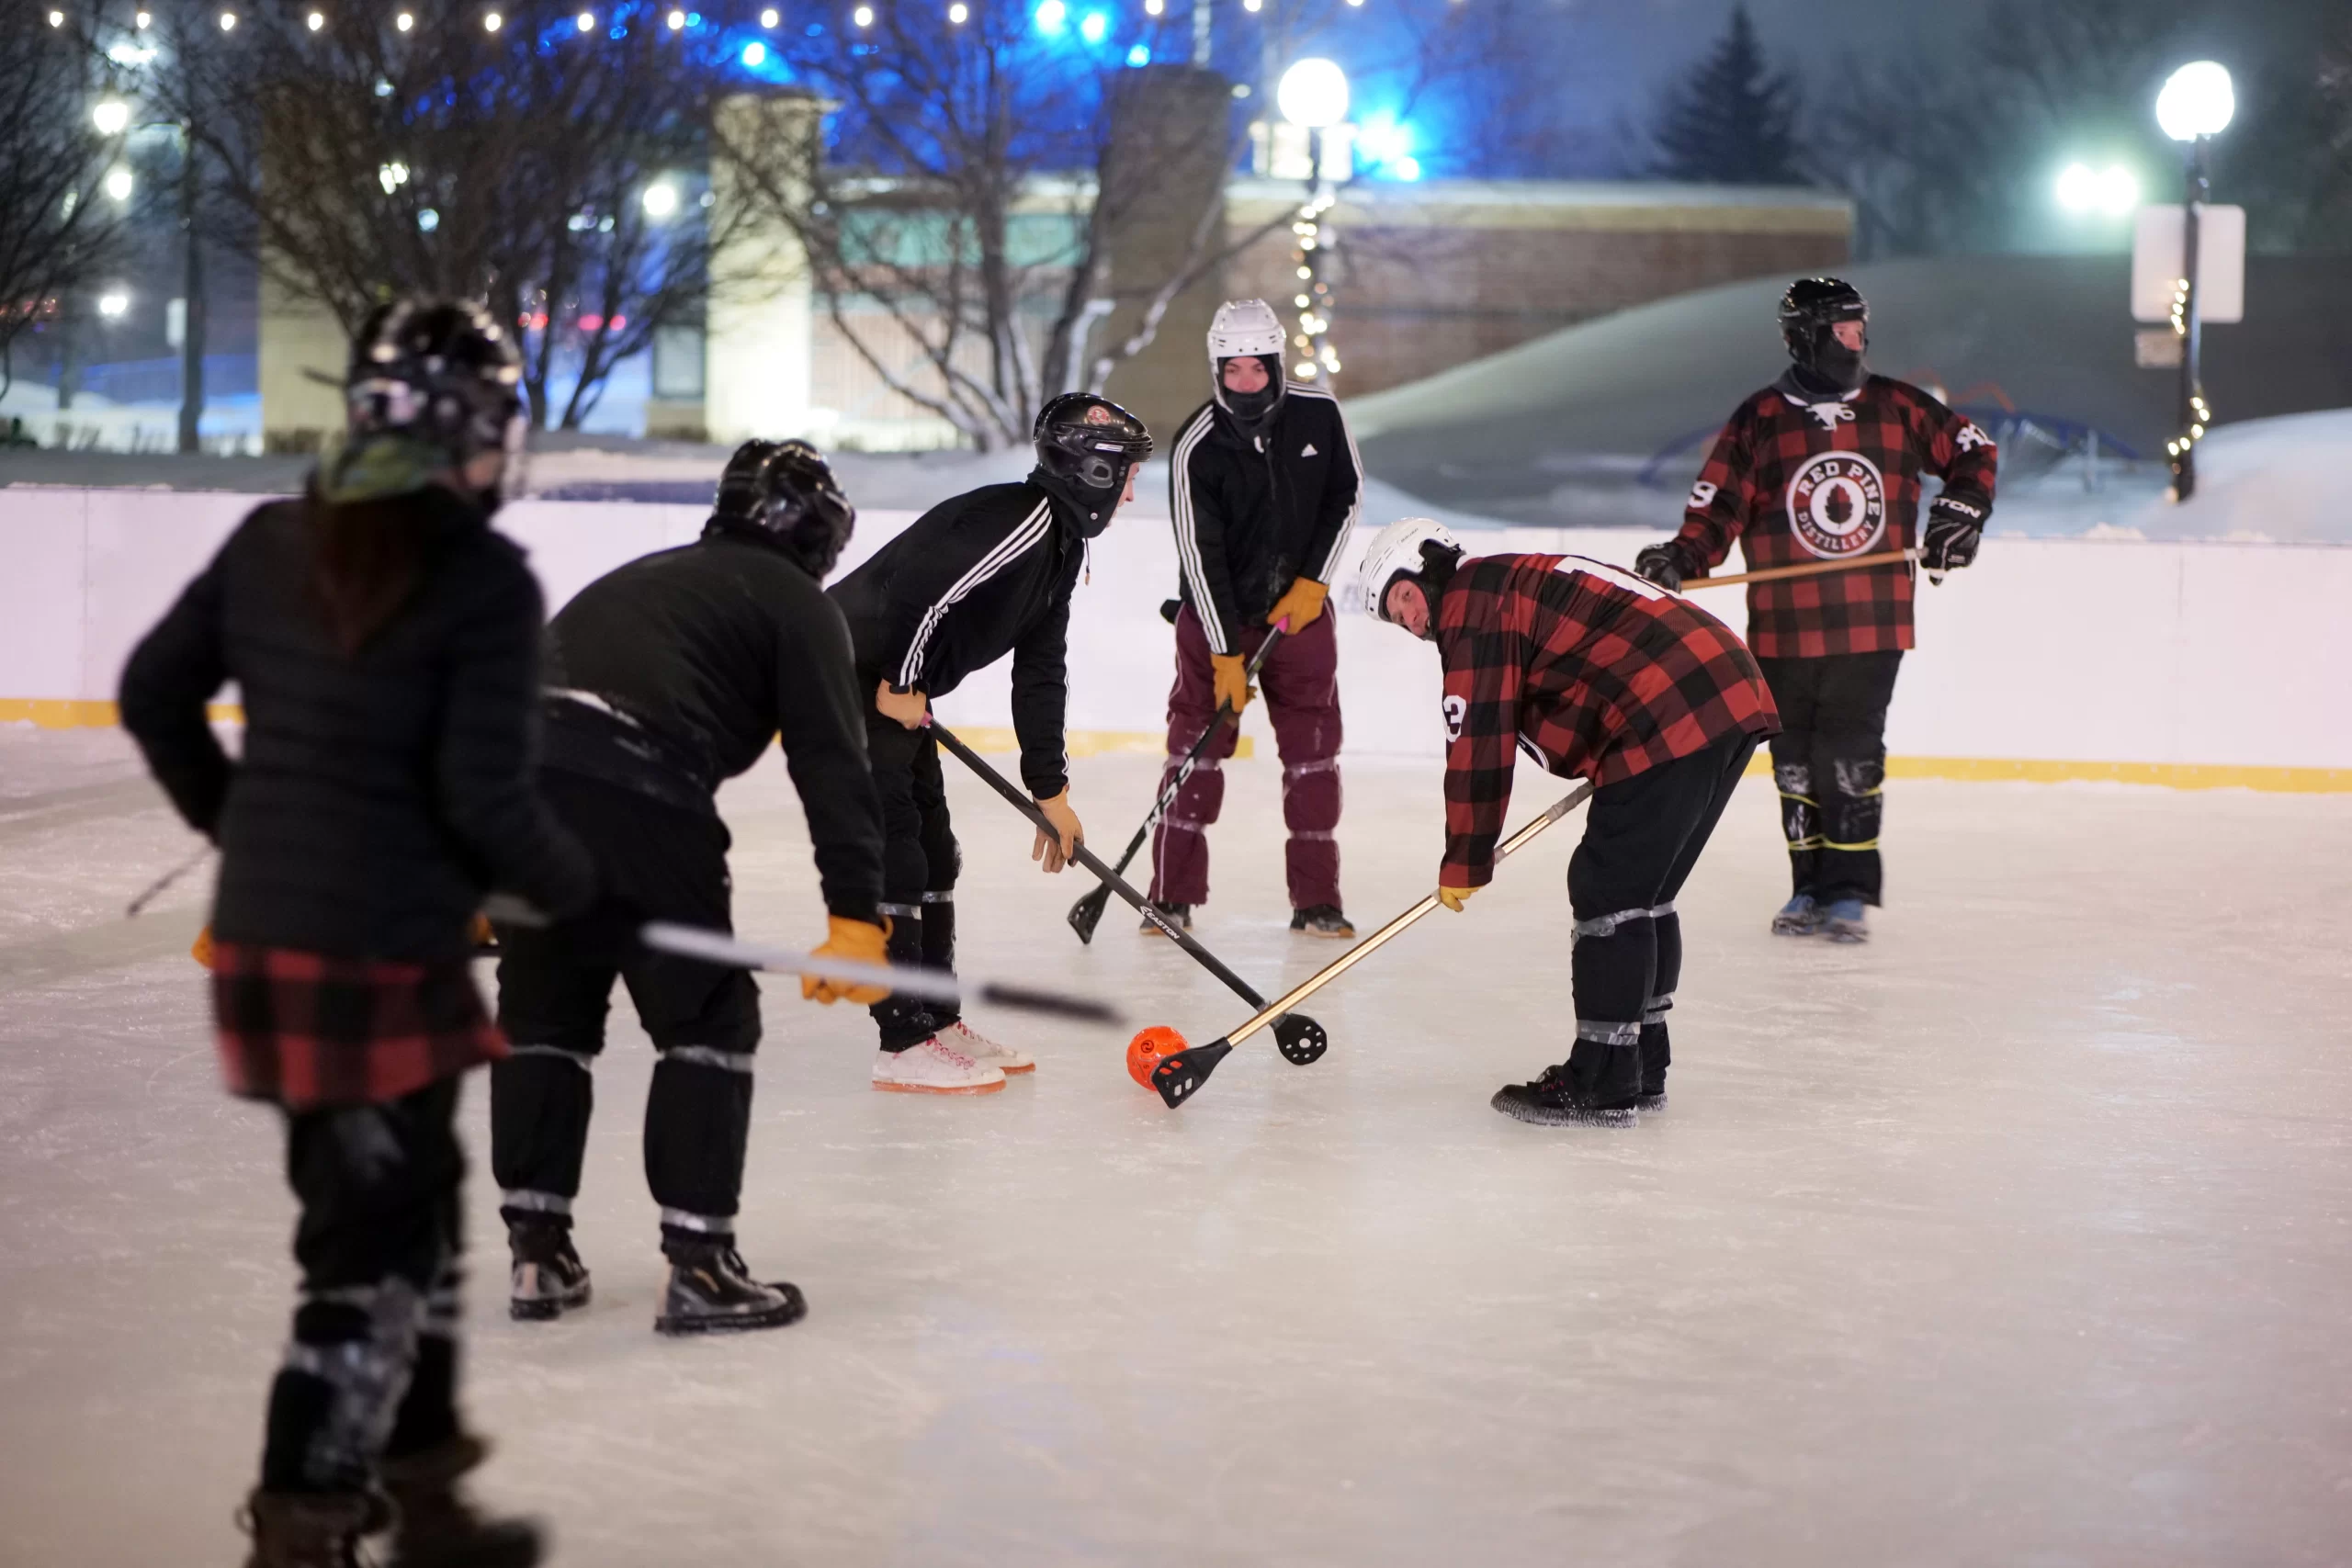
x: 2188, y: 665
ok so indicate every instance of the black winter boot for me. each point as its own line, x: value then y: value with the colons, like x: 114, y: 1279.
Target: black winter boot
x: 438, y: 1526
x: 1324, y: 921
x: 1655, y: 1056
x: 311, y: 1529
x: 548, y: 1277
x: 1596, y: 1086
x: 710, y: 1291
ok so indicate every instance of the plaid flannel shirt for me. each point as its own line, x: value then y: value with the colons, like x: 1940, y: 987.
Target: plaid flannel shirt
x: 1794, y: 482
x: 1595, y: 673
x: 307, y: 1031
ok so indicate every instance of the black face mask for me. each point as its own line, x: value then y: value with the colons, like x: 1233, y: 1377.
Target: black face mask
x: 1093, y: 507
x: 1252, y: 409
x: 1834, y: 363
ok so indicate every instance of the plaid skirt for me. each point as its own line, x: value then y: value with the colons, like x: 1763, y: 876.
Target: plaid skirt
x: 309, y: 1030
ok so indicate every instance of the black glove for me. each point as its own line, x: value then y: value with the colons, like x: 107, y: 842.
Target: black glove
x: 1662, y: 564
x: 1955, y: 527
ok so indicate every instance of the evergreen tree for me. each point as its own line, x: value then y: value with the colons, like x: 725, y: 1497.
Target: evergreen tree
x: 1733, y: 120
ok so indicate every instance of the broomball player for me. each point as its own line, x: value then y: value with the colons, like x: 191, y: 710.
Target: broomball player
x: 1265, y: 486
x: 976, y: 576
x: 1824, y: 465
x: 666, y: 677
x: 1596, y: 675
x: 387, y: 645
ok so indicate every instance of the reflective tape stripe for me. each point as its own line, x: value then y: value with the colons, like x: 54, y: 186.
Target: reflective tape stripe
x: 1656, y: 1007
x: 702, y: 1225
x: 1605, y: 925
x: 578, y: 1059
x: 901, y: 911
x: 1659, y: 911
x: 1601, y: 1032
x: 946, y: 897
x: 1813, y: 842
x: 1801, y: 799
x: 535, y: 1203
x: 361, y: 1296
x: 709, y: 1057
x: 1307, y: 835
x: 1833, y: 844
x: 1200, y: 765
x: 1328, y: 764
x: 1183, y: 824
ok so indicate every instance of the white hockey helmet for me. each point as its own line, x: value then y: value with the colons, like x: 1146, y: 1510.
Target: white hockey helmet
x: 1245, y: 327
x: 1397, y: 551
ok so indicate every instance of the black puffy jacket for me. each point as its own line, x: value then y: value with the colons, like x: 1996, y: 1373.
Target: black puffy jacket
x: 379, y: 795
x: 1254, y: 511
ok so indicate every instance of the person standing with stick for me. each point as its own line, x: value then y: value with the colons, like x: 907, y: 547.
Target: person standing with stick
x: 1594, y: 673
x: 1825, y: 466
x: 386, y: 643
x: 1265, y: 486
x: 976, y: 576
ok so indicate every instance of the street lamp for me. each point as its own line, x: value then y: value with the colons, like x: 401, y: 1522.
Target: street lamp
x: 111, y: 116
x: 2196, y: 105
x: 1313, y: 93
x: 661, y: 201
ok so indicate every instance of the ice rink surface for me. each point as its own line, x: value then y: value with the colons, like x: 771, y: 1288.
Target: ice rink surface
x: 2022, y: 1235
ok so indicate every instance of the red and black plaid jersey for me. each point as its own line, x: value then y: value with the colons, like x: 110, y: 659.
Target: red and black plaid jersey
x: 1595, y: 673
x: 308, y: 1030
x: 1796, y: 481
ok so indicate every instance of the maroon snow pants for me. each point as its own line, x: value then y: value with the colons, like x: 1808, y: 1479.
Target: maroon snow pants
x: 1300, y: 682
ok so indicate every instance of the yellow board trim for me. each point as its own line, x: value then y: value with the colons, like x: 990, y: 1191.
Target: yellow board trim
x: 2163, y: 775
x: 69, y: 713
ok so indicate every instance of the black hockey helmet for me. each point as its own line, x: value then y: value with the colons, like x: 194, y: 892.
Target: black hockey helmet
x: 440, y: 371
x: 1091, y: 444
x: 1811, y: 308
x: 784, y: 493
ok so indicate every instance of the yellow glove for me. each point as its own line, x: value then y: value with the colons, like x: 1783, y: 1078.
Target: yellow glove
x: 202, y: 950
x: 906, y: 707
x: 1232, y: 678
x: 1056, y: 849
x: 1454, y: 897
x: 1300, y: 605
x: 860, y: 942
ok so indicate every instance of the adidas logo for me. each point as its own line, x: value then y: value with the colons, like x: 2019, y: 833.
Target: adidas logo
x: 1308, y: 450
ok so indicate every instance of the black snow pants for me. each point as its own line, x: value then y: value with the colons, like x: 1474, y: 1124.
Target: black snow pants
x: 372, y: 1370
x: 1641, y: 836
x: 554, y: 991
x: 919, y: 862
x: 1829, y: 761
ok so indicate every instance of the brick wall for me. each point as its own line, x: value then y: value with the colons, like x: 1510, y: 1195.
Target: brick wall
x: 1428, y: 276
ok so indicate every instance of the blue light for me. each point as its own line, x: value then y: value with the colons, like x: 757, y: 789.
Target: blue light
x: 617, y: 34
x: 694, y: 18
x: 1051, y: 16
x: 756, y: 53
x: 1139, y: 55
x: 1383, y: 140
x: 1093, y: 27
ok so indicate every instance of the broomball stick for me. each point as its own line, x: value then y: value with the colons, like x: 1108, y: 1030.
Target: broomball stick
x: 157, y: 888
x: 719, y: 947
x: 1178, y: 1075
x: 1302, y: 1039
x: 1810, y: 568
x: 1087, y: 913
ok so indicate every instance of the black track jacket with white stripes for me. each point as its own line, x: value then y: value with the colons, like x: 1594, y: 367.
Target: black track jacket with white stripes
x: 976, y: 576
x: 1252, y: 513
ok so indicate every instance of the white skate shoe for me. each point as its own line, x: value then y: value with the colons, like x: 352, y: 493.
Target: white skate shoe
x: 986, y: 1052
x: 933, y: 1067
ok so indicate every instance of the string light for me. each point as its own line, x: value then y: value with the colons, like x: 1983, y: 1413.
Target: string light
x: 585, y: 21
x: 142, y: 22
x: 315, y: 21
x: 120, y: 182
x: 1154, y: 8
x: 227, y: 21
x: 770, y: 18
x: 57, y: 19
x: 755, y: 54
x: 863, y: 15
x: 492, y: 22
x: 959, y: 14
x: 404, y: 21
x: 677, y: 20
x: 111, y: 116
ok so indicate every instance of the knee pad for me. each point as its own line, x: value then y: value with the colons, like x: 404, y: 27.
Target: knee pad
x: 1799, y: 807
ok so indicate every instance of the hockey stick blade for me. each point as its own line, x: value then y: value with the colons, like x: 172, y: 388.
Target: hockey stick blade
x: 1178, y: 1075
x: 1087, y: 913
x: 718, y: 947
